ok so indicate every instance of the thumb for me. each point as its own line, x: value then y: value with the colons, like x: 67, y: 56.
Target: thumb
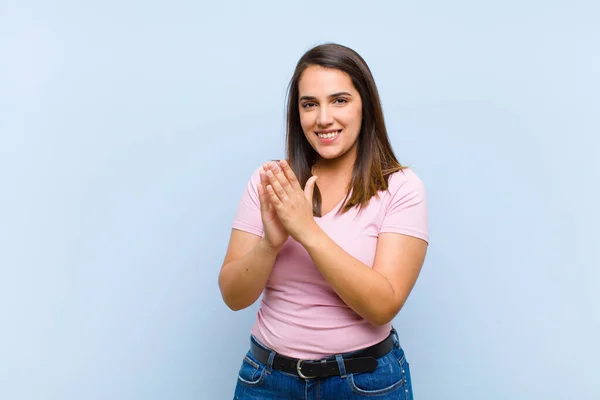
x: 310, y: 187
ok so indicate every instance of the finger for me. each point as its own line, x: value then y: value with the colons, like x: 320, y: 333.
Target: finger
x: 277, y: 188
x: 262, y: 193
x: 273, y: 197
x: 282, y: 178
x: 309, y: 189
x: 264, y: 181
x: 266, y: 168
x: 291, y: 177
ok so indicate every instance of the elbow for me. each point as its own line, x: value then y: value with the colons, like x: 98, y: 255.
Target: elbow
x: 234, y: 304
x: 380, y: 320
x: 235, y: 307
x: 234, y: 298
x: 383, y: 317
x: 226, y: 294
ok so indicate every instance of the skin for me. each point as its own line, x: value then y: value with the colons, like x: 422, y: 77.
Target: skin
x: 328, y: 101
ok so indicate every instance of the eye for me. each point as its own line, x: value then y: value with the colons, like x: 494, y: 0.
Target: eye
x: 308, y: 105
x: 340, y: 100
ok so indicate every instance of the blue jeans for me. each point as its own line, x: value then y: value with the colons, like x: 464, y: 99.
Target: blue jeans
x: 391, y: 380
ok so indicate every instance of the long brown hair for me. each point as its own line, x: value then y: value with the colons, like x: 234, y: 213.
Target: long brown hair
x: 375, y: 159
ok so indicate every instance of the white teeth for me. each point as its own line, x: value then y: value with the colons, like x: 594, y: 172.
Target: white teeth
x: 328, y: 135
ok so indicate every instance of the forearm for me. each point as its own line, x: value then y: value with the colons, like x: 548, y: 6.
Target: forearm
x: 243, y: 280
x: 363, y: 289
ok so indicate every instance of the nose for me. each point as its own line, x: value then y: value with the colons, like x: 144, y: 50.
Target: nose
x: 325, y: 118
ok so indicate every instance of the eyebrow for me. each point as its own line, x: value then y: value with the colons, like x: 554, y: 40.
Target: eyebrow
x: 338, y: 94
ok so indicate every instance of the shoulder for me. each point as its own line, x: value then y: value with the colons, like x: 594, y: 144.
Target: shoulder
x: 405, y: 180
x: 254, y: 175
x: 405, y: 205
x: 256, y: 172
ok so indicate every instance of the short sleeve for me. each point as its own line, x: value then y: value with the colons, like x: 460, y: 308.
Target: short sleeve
x: 407, y: 210
x: 247, y: 217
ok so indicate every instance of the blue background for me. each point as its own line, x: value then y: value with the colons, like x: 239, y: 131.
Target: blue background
x: 129, y: 130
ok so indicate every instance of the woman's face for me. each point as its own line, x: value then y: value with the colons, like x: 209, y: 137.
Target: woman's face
x: 330, y: 111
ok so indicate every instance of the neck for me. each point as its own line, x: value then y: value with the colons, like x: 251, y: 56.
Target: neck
x: 337, y: 168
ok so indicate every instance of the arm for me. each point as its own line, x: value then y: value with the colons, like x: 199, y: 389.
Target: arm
x: 253, y: 246
x: 246, y: 269
x: 377, y: 294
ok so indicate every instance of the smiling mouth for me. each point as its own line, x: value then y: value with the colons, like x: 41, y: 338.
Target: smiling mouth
x: 328, y: 135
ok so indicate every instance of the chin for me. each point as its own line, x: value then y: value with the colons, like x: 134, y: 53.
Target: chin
x: 328, y: 155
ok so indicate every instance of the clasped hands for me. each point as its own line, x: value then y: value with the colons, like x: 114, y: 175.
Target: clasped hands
x: 286, y: 209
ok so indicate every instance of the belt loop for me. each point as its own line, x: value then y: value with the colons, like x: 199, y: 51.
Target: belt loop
x: 270, y: 362
x: 341, y: 365
x: 394, y: 333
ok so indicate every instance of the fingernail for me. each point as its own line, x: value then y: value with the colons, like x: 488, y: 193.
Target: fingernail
x: 283, y: 163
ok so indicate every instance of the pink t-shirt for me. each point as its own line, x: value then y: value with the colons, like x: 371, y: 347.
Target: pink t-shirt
x: 300, y: 315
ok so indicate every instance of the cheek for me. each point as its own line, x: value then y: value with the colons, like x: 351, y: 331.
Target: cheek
x: 353, y: 118
x: 306, y: 122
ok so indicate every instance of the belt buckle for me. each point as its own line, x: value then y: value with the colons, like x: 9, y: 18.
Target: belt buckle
x: 299, y: 370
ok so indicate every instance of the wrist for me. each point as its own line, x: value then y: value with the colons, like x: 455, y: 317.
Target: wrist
x: 267, y: 248
x: 312, y: 237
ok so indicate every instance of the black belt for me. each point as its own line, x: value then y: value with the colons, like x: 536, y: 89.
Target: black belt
x: 364, y: 360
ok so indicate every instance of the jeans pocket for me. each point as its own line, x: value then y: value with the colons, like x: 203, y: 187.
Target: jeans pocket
x: 251, y: 372
x: 387, y: 377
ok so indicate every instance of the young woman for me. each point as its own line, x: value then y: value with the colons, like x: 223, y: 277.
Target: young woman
x: 334, y: 238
